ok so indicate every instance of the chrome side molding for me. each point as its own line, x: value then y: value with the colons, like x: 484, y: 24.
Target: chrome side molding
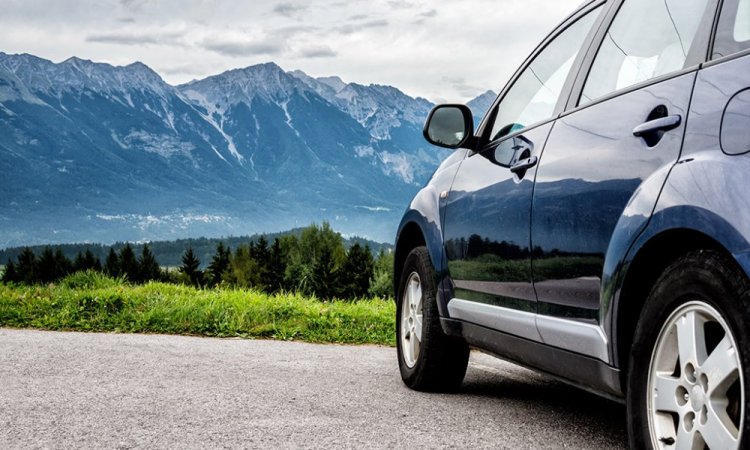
x: 578, y: 337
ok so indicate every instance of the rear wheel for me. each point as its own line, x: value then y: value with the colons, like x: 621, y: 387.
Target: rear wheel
x: 689, y: 365
x: 428, y: 359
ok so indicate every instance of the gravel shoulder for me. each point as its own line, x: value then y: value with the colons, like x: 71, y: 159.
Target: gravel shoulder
x: 134, y: 391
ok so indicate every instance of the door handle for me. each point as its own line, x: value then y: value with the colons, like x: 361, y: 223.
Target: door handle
x: 524, y: 164
x: 660, y: 124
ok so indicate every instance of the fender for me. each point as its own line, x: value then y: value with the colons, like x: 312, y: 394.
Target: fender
x: 683, y: 205
x: 425, y: 212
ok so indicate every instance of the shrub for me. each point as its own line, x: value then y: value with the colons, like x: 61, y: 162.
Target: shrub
x: 91, y: 279
x: 381, y: 284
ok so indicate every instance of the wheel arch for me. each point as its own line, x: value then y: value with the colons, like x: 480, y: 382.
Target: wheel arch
x: 640, y: 275
x: 410, y: 237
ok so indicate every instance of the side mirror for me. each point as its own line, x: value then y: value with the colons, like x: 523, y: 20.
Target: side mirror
x: 449, y: 126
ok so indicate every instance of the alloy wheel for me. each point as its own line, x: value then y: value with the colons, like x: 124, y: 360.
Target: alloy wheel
x: 411, y: 319
x: 695, y: 390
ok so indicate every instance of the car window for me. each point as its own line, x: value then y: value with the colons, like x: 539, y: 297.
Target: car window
x: 733, y: 33
x: 647, y: 39
x: 535, y: 93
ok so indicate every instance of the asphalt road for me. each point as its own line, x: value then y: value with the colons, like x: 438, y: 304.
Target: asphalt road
x: 65, y: 390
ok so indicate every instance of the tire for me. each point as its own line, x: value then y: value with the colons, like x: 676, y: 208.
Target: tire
x: 436, y: 362
x: 690, y: 361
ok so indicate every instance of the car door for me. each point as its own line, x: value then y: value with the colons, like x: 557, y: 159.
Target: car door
x: 622, y: 134
x: 487, y: 211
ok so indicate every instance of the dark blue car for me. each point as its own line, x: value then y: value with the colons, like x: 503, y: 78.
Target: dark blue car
x: 596, y: 225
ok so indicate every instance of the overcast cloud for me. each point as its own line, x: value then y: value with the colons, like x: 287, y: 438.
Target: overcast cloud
x: 439, y: 49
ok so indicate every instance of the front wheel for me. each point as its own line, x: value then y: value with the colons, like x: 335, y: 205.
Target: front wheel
x: 689, y: 365
x: 428, y: 359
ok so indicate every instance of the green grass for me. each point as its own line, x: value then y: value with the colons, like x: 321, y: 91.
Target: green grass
x: 93, y: 302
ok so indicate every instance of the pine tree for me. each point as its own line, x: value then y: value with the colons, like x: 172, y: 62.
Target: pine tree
x: 289, y: 245
x: 357, y: 272
x: 112, y: 264
x: 128, y: 263
x: 381, y: 284
x: 276, y: 267
x: 27, y: 267
x: 219, y: 264
x: 92, y: 262
x: 262, y: 255
x: 148, y: 268
x: 242, y: 268
x: 189, y: 267
x: 86, y: 261
x: 46, y: 266
x: 63, y: 266
x: 261, y: 251
x: 325, y: 273
x: 79, y: 263
x: 314, y: 261
x: 10, y: 275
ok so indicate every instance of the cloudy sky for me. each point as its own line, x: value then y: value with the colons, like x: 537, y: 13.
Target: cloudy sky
x: 439, y: 49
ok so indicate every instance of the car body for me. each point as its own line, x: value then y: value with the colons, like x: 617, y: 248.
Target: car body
x: 554, y: 228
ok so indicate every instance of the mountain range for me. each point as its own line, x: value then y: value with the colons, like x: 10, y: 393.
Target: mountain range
x: 91, y: 152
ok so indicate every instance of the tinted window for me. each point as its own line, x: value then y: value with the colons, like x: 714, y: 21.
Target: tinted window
x: 733, y: 34
x: 536, y: 91
x: 647, y: 39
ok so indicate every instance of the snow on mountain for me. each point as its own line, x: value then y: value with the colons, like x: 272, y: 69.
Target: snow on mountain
x: 268, y: 81
x: 103, y: 150
x: 394, y: 121
x: 379, y: 111
x: 75, y: 74
x: 378, y: 108
x: 145, y: 112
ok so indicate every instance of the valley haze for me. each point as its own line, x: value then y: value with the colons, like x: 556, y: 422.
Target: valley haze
x: 91, y: 152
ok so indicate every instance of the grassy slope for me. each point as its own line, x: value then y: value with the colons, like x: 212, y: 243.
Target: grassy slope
x: 109, y: 305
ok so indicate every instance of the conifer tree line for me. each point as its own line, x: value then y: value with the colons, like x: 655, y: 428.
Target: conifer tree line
x: 314, y: 263
x: 169, y: 252
x: 50, y: 266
